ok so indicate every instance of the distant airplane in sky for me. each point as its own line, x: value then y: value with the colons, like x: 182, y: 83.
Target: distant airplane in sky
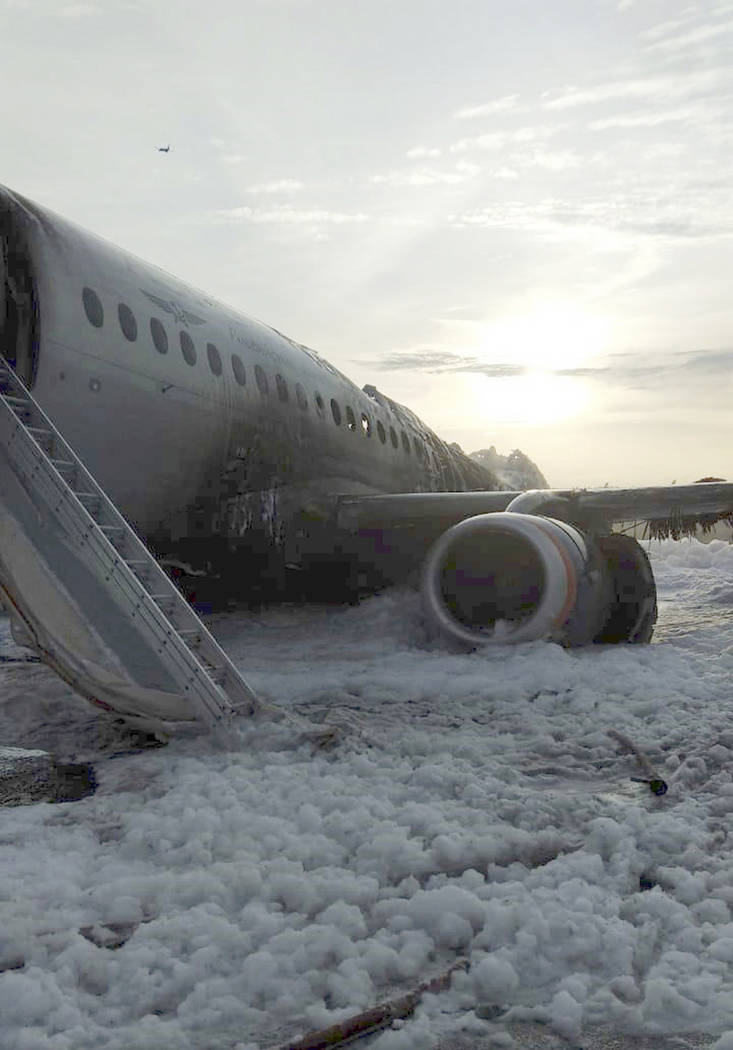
x: 164, y: 149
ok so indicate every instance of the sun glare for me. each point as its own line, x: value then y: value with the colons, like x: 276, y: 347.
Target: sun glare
x: 548, y: 343
x: 548, y: 338
x: 534, y: 399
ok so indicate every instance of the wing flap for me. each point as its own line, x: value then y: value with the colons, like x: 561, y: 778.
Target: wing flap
x: 670, y: 510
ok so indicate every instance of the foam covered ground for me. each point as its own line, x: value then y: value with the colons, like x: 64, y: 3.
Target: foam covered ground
x: 234, y: 895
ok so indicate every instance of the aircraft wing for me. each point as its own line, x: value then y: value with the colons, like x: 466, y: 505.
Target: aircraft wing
x: 671, y: 510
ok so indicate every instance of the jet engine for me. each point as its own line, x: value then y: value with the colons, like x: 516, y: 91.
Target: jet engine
x: 514, y: 577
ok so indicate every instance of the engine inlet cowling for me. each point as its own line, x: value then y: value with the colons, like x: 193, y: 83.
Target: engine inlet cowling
x: 508, y: 577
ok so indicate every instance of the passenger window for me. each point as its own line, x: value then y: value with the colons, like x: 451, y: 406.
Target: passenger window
x: 350, y: 418
x: 92, y: 307
x: 214, y: 359
x: 160, y: 338
x: 418, y: 448
x: 187, y: 348
x: 393, y: 437
x: 128, y: 324
x: 282, y: 387
x: 238, y: 369
x: 320, y: 406
x: 381, y: 432
x: 261, y: 379
x: 366, y: 425
x: 301, y: 398
x: 405, y: 442
x: 335, y: 412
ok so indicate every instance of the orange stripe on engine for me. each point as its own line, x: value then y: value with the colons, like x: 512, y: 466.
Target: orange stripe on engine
x: 572, y: 589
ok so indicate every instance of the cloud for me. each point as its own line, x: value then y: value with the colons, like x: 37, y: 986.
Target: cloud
x: 444, y: 361
x: 667, y: 374
x: 677, y: 228
x: 499, y: 105
x: 491, y: 140
x: 650, y: 119
x: 681, y: 85
x: 501, y: 139
x: 660, y: 371
x: 287, y: 216
x: 683, y: 41
x: 640, y: 212
x: 276, y: 186
x: 506, y: 215
x: 664, y: 28
x: 467, y: 309
x: 417, y: 152
x: 55, y: 9
x: 559, y: 160
x: 582, y: 373
x: 505, y: 173
x: 79, y: 10
x: 717, y: 361
x: 461, y: 173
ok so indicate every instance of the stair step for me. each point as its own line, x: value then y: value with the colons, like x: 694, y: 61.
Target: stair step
x: 140, y: 568
x: 165, y: 602
x: 63, y: 465
x: 41, y: 434
x: 19, y: 404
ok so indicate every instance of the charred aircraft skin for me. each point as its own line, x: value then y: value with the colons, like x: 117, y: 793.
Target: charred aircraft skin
x: 214, y: 434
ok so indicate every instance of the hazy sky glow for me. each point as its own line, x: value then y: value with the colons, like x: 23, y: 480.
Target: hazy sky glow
x: 515, y: 217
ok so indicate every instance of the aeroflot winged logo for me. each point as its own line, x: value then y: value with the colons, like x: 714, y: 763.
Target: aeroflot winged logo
x: 179, y: 312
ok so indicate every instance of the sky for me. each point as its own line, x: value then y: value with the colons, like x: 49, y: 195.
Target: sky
x: 514, y: 217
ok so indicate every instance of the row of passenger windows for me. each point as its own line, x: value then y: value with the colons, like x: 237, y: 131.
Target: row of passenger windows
x: 128, y: 325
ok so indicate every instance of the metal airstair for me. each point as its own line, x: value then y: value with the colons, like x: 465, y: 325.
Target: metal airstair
x: 114, y: 583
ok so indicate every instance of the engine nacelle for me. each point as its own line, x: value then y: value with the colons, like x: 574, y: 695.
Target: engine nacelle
x: 512, y: 577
